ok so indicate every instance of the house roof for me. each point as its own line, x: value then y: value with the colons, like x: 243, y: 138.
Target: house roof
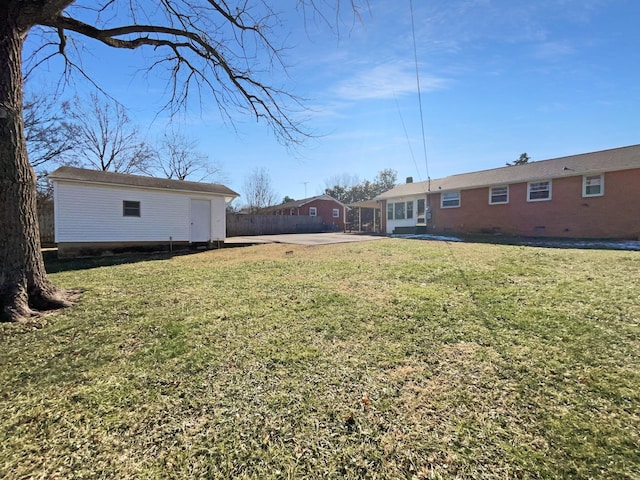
x: 302, y: 202
x: 623, y: 158
x: 111, y: 178
x: 366, y: 204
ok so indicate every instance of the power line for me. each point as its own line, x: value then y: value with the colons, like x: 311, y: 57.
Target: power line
x: 406, y: 134
x: 415, y: 55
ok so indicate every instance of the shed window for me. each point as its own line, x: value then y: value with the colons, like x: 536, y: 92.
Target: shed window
x: 130, y: 208
x: 450, y: 200
x: 336, y: 213
x: 313, y: 211
x: 592, y: 185
x: 538, y: 191
x: 498, y: 195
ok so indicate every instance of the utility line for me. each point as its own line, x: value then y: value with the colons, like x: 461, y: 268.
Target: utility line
x: 406, y: 134
x: 415, y: 55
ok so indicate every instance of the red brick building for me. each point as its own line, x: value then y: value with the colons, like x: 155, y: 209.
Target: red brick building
x: 332, y: 212
x: 592, y: 195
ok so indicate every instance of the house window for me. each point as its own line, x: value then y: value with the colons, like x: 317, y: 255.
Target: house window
x: 313, y: 211
x: 292, y: 211
x: 538, y: 191
x: 421, y: 208
x: 592, y: 185
x: 409, y: 209
x: 450, y: 200
x: 336, y: 213
x: 498, y: 195
x: 389, y: 211
x: 130, y: 208
x: 398, y: 210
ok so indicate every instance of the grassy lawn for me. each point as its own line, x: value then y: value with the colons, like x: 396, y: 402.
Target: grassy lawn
x: 389, y: 359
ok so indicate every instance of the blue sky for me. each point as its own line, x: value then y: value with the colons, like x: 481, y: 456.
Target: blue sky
x: 498, y: 77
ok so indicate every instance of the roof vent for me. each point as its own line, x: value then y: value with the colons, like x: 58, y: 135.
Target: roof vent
x: 409, y: 179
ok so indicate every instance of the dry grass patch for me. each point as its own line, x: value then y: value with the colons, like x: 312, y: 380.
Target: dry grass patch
x: 388, y: 359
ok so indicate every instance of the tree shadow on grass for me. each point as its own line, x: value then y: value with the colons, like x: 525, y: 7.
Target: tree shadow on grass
x: 53, y: 264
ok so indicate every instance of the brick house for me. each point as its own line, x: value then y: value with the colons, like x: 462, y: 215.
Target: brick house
x: 332, y: 212
x: 591, y: 195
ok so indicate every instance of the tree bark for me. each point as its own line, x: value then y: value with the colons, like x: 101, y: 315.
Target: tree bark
x: 24, y: 286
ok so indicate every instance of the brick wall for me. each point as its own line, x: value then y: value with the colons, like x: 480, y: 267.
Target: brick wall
x: 616, y: 214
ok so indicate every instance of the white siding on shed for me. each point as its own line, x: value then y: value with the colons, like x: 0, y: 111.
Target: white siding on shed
x: 219, y: 219
x: 93, y: 213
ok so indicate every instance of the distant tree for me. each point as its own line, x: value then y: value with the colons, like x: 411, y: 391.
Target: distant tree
x: 45, y: 130
x: 178, y: 157
x: 258, y: 191
x: 524, y: 158
x: 47, y: 138
x: 288, y: 199
x: 362, y: 191
x: 365, y: 190
x: 341, y: 182
x: 385, y: 180
x: 105, y: 138
x: 233, y: 207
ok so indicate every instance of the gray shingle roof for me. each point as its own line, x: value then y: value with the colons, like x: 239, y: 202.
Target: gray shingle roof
x: 623, y: 158
x: 111, y: 178
x: 302, y: 202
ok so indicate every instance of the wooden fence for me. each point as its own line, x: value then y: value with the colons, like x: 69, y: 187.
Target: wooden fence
x: 47, y: 225
x: 246, y: 224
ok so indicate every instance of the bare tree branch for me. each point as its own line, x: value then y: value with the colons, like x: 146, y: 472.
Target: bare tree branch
x: 193, y: 39
x: 179, y: 158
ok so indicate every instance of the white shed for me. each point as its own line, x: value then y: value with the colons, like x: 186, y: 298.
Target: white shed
x: 97, y: 210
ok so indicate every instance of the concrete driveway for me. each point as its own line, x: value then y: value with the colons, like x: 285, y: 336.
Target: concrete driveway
x: 303, y: 238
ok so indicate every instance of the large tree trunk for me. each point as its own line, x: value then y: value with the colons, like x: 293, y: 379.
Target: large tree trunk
x: 24, y: 286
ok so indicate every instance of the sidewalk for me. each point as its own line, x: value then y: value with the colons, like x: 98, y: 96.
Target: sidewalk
x: 302, y: 238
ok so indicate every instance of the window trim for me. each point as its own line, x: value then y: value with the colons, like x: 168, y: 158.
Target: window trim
x: 313, y: 212
x: 421, y: 215
x: 408, y: 210
x: 442, y: 200
x: 491, y: 195
x: 584, y: 185
x: 131, y: 210
x: 529, y: 191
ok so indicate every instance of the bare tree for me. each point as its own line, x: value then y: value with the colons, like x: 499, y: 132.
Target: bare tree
x: 105, y: 138
x: 47, y: 137
x: 258, y: 191
x: 179, y: 158
x: 46, y: 130
x: 208, y: 47
x: 344, y: 181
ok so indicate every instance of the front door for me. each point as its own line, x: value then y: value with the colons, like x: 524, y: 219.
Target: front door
x: 200, y: 220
